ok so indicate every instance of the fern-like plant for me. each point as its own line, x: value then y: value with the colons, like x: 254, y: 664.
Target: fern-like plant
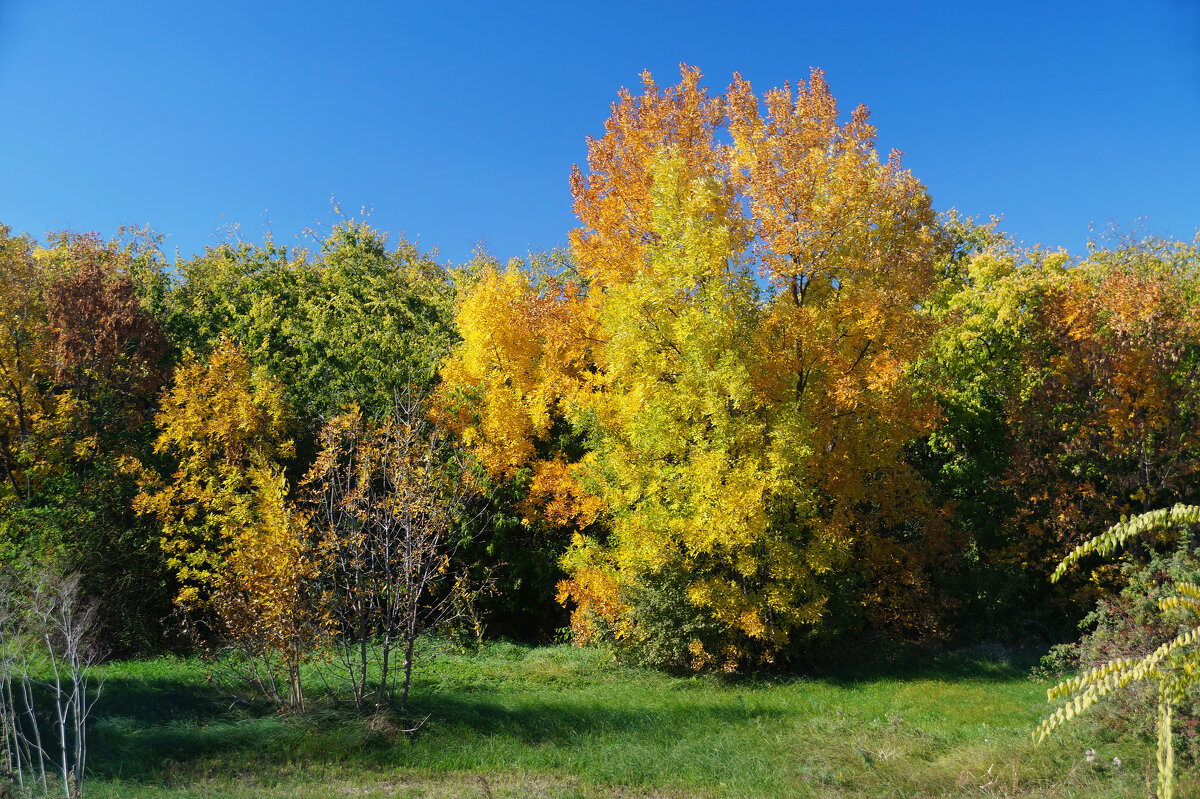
x: 1174, y: 666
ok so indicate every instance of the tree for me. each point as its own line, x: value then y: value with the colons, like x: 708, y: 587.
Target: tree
x: 370, y: 321
x: 734, y: 352
x: 106, y: 349
x: 394, y: 503
x: 83, y: 359
x: 237, y: 291
x: 32, y: 418
x: 231, y: 537
x: 528, y: 335
x: 1108, y: 422
x: 350, y: 322
x: 1068, y: 389
x: 988, y: 295
x: 47, y: 649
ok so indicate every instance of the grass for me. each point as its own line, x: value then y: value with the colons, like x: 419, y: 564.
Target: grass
x: 515, y: 721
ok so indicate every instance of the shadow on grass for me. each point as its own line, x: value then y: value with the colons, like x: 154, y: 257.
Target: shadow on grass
x: 158, y: 701
x: 162, y: 742
x: 164, y: 729
x: 979, y: 663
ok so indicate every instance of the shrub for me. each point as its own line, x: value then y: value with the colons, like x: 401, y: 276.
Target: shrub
x: 1131, y: 625
x: 1173, y: 665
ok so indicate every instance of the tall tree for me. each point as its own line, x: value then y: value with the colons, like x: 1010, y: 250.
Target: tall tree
x: 84, y: 358
x: 734, y: 352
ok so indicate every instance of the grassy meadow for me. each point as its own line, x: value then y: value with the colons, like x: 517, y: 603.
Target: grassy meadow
x: 559, y: 721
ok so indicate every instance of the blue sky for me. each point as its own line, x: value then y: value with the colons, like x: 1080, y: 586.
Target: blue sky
x: 459, y: 122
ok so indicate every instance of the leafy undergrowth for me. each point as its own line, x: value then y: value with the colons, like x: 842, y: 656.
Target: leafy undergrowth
x: 513, y: 721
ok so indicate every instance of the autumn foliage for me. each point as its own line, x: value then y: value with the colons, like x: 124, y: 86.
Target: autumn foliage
x: 732, y: 347
x: 392, y: 504
x: 82, y: 358
x: 1108, y: 424
x: 767, y: 400
x: 234, y: 543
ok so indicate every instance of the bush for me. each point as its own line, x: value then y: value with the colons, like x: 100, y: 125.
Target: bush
x: 667, y: 632
x: 1131, y: 625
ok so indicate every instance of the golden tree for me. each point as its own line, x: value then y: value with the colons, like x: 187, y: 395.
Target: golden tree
x: 33, y: 419
x: 233, y: 540
x: 734, y: 350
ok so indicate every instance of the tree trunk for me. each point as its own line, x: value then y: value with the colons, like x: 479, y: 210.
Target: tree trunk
x: 408, y: 660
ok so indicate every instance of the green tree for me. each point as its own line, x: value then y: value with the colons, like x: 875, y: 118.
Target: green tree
x: 353, y: 322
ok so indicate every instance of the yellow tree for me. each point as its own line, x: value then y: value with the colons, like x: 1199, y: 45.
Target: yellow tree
x: 33, y: 418
x: 528, y: 339
x: 234, y: 542
x: 683, y: 453
x: 740, y: 333
x: 513, y: 390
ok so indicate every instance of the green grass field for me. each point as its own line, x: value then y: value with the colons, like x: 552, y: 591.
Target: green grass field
x: 514, y: 721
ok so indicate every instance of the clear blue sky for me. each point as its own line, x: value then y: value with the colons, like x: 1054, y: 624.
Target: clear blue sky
x: 459, y: 122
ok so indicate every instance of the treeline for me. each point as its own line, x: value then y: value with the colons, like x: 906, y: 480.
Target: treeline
x: 768, y: 405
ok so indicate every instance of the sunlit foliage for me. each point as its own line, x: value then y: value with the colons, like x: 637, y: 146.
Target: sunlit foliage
x: 233, y: 541
x: 393, y: 502
x: 352, y: 321
x: 732, y: 348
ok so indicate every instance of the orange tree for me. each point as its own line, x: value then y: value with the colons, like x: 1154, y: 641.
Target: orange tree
x: 1107, y: 421
x: 730, y: 354
x: 1068, y: 388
